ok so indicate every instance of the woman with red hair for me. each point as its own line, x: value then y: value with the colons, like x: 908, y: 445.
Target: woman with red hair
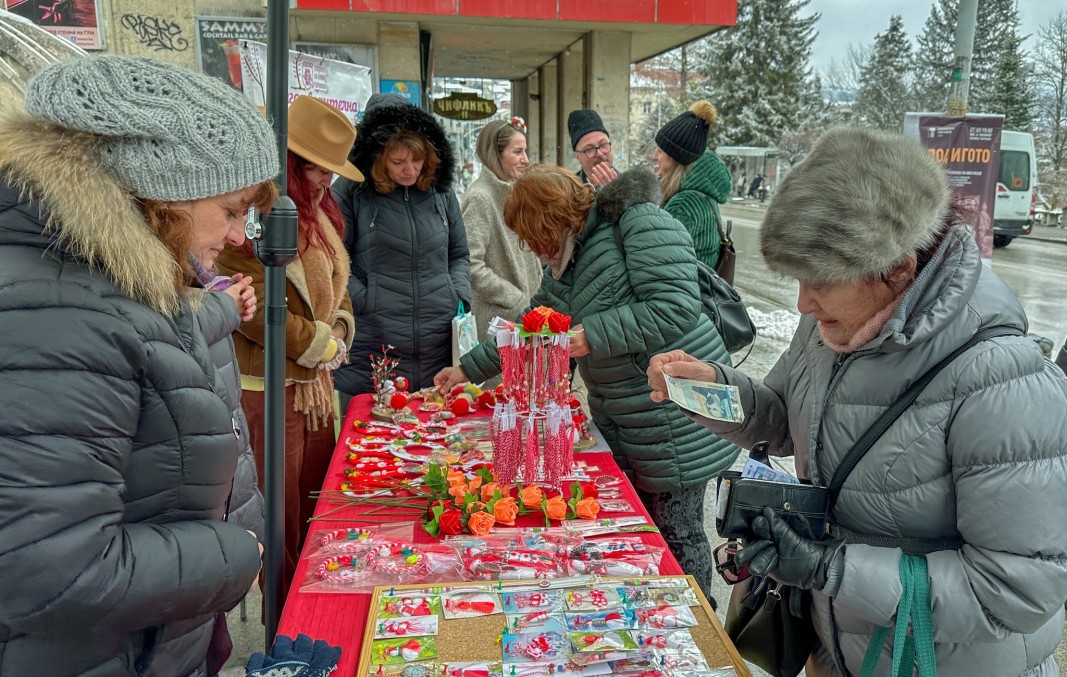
x: 319, y: 324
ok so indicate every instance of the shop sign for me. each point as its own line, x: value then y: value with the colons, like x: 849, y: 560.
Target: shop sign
x: 464, y: 106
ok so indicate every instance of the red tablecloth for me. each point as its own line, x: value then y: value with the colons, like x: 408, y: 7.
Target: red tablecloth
x: 340, y: 618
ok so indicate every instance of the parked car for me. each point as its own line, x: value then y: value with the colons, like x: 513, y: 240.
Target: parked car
x: 1013, y: 208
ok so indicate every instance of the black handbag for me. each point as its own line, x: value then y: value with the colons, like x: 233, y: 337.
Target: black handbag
x: 770, y: 623
x: 719, y: 301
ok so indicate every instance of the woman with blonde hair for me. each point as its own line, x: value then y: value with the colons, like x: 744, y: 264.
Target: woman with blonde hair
x: 118, y: 442
x: 624, y: 270
x: 406, y: 240
x: 504, y: 274
x: 694, y: 180
x: 318, y: 319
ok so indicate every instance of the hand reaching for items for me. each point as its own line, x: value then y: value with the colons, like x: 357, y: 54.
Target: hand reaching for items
x: 448, y: 378
x: 579, y: 344
x: 677, y: 364
x: 244, y: 295
x: 601, y: 174
x: 786, y: 556
x: 304, y: 657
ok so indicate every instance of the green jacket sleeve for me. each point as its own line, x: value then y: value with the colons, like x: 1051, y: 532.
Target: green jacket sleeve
x: 698, y: 214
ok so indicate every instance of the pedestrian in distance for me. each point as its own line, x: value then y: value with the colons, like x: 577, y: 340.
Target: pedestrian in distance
x: 118, y: 444
x: 970, y: 476
x: 741, y: 181
x: 694, y: 180
x: 504, y: 274
x: 625, y: 271
x: 318, y: 314
x: 754, y: 187
x: 591, y: 144
x: 407, y: 244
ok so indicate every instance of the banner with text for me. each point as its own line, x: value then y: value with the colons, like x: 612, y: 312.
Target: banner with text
x: 969, y: 148
x: 75, y: 20
x: 345, y: 86
x: 218, y: 44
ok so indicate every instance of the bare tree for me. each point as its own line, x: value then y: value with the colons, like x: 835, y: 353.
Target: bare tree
x: 842, y: 79
x: 1050, y: 76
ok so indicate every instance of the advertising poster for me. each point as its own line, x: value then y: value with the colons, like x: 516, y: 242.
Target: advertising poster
x: 969, y: 149
x: 345, y: 86
x: 73, y: 20
x: 409, y: 89
x: 218, y: 44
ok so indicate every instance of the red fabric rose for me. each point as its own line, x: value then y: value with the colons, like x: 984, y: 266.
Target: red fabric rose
x: 589, y: 489
x: 558, y: 323
x: 451, y: 522
x: 533, y: 321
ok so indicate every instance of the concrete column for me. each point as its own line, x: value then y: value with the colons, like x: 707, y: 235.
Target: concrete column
x: 571, y: 93
x: 549, y: 105
x: 533, y: 122
x: 520, y: 100
x: 398, y: 51
x: 607, y: 77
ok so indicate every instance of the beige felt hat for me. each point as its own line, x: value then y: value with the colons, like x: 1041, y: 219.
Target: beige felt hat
x: 320, y: 133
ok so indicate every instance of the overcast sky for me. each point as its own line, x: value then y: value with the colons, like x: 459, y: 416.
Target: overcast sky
x: 858, y: 21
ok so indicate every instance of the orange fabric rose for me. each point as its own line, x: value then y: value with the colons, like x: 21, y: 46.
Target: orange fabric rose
x: 531, y: 497
x: 473, y: 485
x: 587, y: 508
x: 456, y: 477
x: 475, y: 506
x: 458, y: 492
x: 505, y: 510
x: 557, y: 508
x: 480, y: 523
x: 489, y: 489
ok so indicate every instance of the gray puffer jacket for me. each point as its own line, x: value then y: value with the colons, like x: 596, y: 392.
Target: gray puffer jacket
x: 410, y: 264
x: 117, y: 445
x: 973, y: 473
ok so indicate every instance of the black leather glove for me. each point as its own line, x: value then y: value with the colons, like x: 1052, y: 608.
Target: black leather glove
x: 786, y: 556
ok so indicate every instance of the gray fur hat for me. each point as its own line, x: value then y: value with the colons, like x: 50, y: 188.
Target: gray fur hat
x: 856, y: 206
x: 170, y: 134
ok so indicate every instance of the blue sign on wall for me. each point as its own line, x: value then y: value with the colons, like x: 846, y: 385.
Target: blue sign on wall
x: 409, y: 89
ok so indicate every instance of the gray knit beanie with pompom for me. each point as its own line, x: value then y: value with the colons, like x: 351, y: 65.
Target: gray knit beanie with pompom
x: 858, y: 205
x: 168, y: 133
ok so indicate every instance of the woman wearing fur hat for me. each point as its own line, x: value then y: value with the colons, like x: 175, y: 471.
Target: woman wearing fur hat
x: 624, y: 270
x: 118, y: 443
x: 318, y: 321
x: 694, y: 180
x: 504, y: 275
x: 972, y: 473
x: 410, y: 266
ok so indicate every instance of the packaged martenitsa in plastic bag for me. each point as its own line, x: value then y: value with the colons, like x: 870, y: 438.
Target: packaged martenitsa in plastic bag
x: 387, y: 562
x: 357, y: 540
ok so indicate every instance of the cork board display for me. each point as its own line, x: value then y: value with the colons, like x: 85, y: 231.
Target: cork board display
x: 478, y: 638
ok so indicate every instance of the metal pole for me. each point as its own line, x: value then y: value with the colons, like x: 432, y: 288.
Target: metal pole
x: 961, y: 71
x: 275, y: 248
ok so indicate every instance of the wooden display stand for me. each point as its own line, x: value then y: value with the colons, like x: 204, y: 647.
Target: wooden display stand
x: 475, y: 639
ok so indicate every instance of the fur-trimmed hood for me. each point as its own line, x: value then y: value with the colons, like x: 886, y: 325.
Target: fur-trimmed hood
x: 387, y: 118
x: 632, y: 187
x: 90, y: 215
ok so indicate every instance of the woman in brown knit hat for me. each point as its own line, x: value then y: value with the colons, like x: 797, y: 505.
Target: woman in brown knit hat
x: 319, y: 324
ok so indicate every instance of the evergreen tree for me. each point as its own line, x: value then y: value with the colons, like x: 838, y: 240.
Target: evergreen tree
x: 758, y: 72
x: 885, y: 89
x: 1012, y: 95
x: 1050, y: 74
x: 934, y: 57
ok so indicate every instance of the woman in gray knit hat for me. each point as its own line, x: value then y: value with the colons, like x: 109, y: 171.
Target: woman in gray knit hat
x: 118, y: 442
x: 970, y: 476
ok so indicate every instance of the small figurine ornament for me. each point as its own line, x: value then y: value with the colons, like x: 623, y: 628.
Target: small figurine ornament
x: 384, y: 382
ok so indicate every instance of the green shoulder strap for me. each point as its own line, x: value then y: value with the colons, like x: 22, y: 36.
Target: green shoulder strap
x: 914, y: 606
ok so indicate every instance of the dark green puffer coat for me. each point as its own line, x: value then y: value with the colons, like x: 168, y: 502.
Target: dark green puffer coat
x: 630, y: 311
x: 706, y: 178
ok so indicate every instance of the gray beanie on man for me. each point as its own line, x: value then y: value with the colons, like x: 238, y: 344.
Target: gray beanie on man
x: 170, y: 134
x: 854, y: 208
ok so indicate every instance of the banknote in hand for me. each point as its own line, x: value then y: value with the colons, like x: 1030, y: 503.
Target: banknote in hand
x: 710, y: 400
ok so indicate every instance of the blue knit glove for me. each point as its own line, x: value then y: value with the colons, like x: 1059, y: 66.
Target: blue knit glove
x: 303, y: 658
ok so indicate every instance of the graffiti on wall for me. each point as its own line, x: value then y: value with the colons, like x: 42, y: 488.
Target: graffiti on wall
x: 155, y: 32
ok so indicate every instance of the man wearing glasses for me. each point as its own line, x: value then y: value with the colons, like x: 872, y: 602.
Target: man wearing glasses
x: 592, y: 147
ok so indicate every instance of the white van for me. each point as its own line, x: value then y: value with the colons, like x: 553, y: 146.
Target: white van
x: 1013, y: 208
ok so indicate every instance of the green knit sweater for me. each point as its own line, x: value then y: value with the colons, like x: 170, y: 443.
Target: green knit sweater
x: 706, y: 178
x: 631, y: 310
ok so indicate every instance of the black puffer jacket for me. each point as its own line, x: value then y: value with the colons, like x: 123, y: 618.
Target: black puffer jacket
x: 117, y: 448
x: 410, y: 264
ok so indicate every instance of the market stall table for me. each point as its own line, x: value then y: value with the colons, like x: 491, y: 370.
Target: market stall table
x: 340, y: 618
